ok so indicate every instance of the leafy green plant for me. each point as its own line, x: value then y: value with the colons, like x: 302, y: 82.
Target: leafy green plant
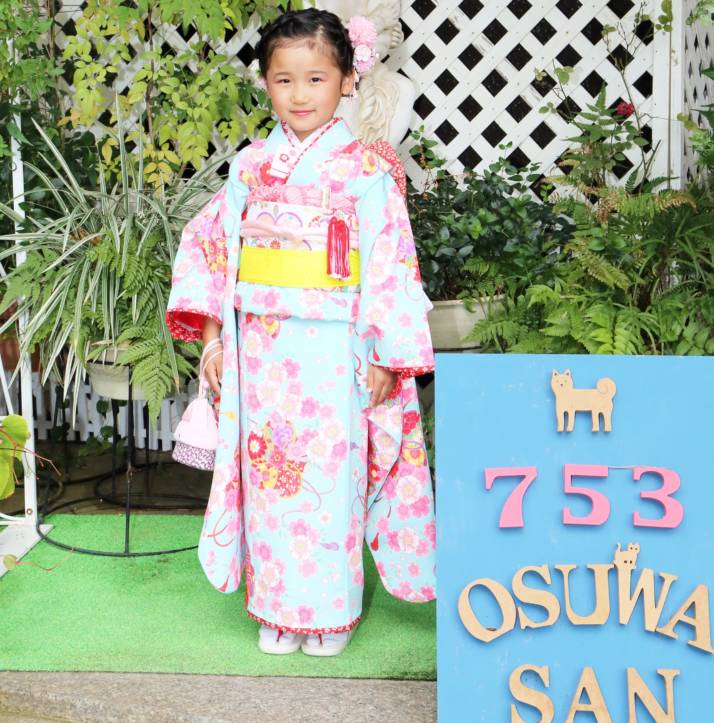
x: 637, y: 277
x: 102, y: 441
x: 30, y: 66
x: 98, y: 275
x: 26, y: 72
x: 13, y: 435
x: 637, y: 274
x: 702, y: 13
x: 441, y: 260
x: 121, y: 56
x: 606, y: 133
x: 476, y: 231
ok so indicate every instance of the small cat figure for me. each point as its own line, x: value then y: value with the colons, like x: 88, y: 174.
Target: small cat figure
x: 627, y: 558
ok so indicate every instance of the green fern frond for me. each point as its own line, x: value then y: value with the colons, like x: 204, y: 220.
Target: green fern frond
x: 558, y: 323
x: 138, y: 353
x: 542, y: 294
x: 531, y: 342
x: 500, y: 333
x: 135, y: 332
x: 674, y: 199
x: 597, y: 266
x: 156, y: 382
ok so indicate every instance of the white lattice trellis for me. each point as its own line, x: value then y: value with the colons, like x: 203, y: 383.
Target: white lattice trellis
x: 474, y: 64
x: 697, y: 45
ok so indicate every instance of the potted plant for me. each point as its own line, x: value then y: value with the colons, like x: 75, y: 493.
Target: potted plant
x: 472, y: 233
x: 10, y: 347
x: 97, y: 277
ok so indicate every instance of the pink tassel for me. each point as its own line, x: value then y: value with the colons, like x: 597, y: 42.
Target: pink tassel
x: 338, y: 249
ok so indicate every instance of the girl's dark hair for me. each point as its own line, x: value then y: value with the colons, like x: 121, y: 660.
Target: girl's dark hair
x: 319, y: 25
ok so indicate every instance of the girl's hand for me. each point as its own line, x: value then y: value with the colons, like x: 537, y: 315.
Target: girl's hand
x: 212, y: 357
x: 380, y: 382
x: 214, y: 368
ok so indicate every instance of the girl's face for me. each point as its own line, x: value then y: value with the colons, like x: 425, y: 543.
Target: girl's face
x: 305, y: 85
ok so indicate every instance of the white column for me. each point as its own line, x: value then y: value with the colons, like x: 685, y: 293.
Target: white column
x: 668, y: 99
x: 28, y: 460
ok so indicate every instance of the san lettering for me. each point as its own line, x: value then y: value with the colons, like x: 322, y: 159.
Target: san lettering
x: 588, y: 697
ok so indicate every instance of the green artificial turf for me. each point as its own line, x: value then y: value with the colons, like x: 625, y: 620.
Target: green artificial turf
x: 160, y: 614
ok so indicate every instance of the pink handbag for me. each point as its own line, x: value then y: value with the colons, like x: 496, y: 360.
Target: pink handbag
x: 196, y: 435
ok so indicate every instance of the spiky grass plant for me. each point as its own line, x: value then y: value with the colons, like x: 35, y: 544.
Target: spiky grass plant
x: 98, y: 272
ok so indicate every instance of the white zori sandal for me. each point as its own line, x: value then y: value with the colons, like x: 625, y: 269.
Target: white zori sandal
x: 324, y: 644
x: 278, y: 642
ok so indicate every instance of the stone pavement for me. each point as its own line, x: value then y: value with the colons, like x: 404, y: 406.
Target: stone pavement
x: 138, y: 697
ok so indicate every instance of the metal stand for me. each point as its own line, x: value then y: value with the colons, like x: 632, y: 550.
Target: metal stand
x: 145, y: 500
x: 128, y: 499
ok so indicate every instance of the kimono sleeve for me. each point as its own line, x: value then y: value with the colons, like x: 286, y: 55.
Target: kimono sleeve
x: 199, y: 271
x: 396, y: 170
x: 393, y: 307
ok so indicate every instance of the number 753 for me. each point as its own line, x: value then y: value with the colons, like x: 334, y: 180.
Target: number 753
x: 512, y: 510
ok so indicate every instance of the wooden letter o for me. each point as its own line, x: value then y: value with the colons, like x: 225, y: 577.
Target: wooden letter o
x: 505, y: 602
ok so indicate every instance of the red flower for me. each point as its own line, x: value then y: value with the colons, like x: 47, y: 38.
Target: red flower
x: 625, y: 109
x: 256, y: 446
x: 410, y: 421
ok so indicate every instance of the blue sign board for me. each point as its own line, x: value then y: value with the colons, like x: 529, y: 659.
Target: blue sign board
x: 575, y: 566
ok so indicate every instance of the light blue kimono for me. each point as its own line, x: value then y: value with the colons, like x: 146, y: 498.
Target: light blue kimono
x: 305, y: 469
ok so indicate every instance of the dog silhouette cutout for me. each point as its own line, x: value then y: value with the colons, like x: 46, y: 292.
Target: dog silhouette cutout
x: 569, y: 400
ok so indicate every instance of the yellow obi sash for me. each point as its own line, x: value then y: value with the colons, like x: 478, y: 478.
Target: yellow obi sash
x: 291, y: 267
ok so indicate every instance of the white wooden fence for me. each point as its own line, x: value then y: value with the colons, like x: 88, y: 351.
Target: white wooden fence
x: 89, y: 421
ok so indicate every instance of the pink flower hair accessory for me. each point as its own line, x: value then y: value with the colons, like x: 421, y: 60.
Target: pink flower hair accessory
x: 363, y: 35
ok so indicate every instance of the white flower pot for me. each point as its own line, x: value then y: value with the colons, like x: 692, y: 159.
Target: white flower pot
x: 110, y: 380
x: 451, y: 321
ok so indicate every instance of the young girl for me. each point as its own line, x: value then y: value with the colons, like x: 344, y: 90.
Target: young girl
x: 301, y: 278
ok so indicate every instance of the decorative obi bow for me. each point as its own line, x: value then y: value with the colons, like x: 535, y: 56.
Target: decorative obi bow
x: 336, y: 238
